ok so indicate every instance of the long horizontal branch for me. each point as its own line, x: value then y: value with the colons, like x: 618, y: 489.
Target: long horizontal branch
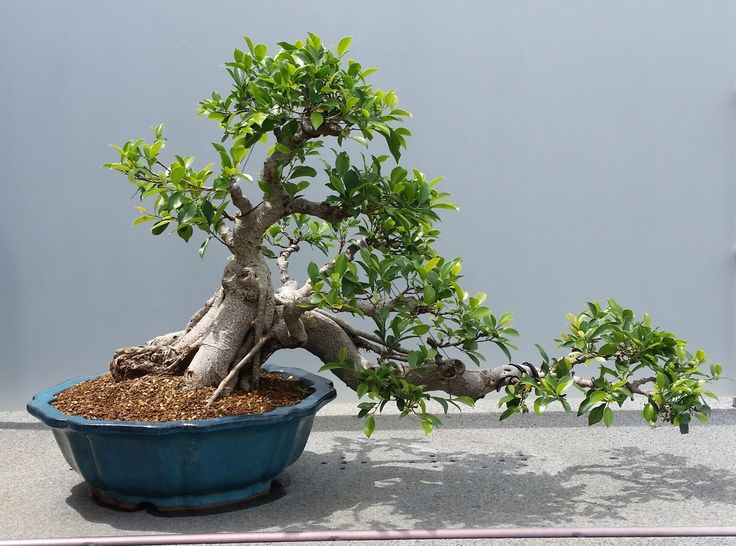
x: 371, y: 309
x: 345, y: 325
x: 323, y: 210
x: 326, y: 336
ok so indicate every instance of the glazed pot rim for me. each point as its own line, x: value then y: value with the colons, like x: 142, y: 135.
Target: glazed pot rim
x: 323, y: 392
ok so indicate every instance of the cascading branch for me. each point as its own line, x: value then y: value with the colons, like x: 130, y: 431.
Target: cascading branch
x: 375, y: 231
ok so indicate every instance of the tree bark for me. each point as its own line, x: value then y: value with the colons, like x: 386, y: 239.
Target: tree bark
x: 325, y: 338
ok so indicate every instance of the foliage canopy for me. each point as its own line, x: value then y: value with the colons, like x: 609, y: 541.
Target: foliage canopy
x: 378, y: 238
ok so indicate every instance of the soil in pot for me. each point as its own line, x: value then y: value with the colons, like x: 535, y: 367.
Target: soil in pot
x: 162, y: 398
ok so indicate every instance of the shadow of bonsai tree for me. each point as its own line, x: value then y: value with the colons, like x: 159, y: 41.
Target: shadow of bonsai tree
x: 380, y: 484
x: 502, y: 488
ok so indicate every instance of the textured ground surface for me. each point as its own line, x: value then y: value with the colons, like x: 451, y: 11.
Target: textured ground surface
x: 161, y: 398
x: 474, y: 472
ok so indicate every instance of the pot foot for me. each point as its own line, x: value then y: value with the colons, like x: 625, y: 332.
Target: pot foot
x: 251, y: 495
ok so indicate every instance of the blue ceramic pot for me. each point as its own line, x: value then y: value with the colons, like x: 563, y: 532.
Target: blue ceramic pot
x: 184, y: 465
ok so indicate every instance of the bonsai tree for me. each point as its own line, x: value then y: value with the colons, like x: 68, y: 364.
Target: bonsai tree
x: 375, y: 263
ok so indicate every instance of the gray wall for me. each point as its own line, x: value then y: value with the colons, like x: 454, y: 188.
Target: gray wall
x: 590, y: 146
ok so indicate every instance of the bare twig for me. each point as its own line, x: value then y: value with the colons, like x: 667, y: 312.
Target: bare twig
x: 282, y: 262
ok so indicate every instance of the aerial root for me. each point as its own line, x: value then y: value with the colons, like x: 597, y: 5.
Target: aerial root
x: 140, y: 360
x: 231, y: 377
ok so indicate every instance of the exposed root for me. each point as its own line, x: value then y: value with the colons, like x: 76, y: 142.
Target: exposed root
x: 264, y: 319
x: 243, y: 380
x: 232, y: 376
x: 141, y: 360
x: 166, y: 339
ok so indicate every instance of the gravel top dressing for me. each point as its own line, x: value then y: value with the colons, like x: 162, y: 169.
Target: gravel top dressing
x: 162, y: 398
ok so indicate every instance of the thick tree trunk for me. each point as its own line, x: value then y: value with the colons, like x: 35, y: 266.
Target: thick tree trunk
x: 244, y: 284
x: 212, y: 341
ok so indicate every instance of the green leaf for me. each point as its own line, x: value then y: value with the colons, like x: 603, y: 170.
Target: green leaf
x: 251, y: 47
x: 593, y: 398
x: 361, y: 389
x: 504, y: 399
x: 563, y: 384
x: 479, y: 298
x: 187, y: 212
x: 142, y: 219
x: 343, y: 45
x: 596, y: 414
x: 442, y: 402
x: 156, y: 147
x: 334, y: 366
x: 542, y: 352
x: 185, y: 232
x: 539, y: 405
x: 314, y: 40
x: 342, y: 163
x: 317, y: 119
x: 313, y: 272
x: 221, y: 183
x: 260, y: 51
x: 303, y: 170
x: 594, y: 360
x: 465, y: 400
x: 341, y: 264
x: 259, y: 117
x: 224, y: 156
x: 508, y: 412
x: 608, y: 349
x: 177, y: 174
x: 238, y: 153
x: 414, y: 357
x: 504, y: 349
x: 608, y: 416
x: 431, y: 264
x: 159, y: 227
x: 208, y: 211
x: 426, y: 424
x: 203, y: 247
x: 393, y: 142
x: 369, y: 426
x: 429, y: 295
x: 649, y: 413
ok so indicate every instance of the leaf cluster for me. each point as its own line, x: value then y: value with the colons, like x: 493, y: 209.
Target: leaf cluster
x: 630, y: 354
x: 382, y: 385
x: 380, y: 247
x: 182, y: 196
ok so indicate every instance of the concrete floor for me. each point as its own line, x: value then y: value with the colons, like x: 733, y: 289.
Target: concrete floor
x: 474, y: 472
